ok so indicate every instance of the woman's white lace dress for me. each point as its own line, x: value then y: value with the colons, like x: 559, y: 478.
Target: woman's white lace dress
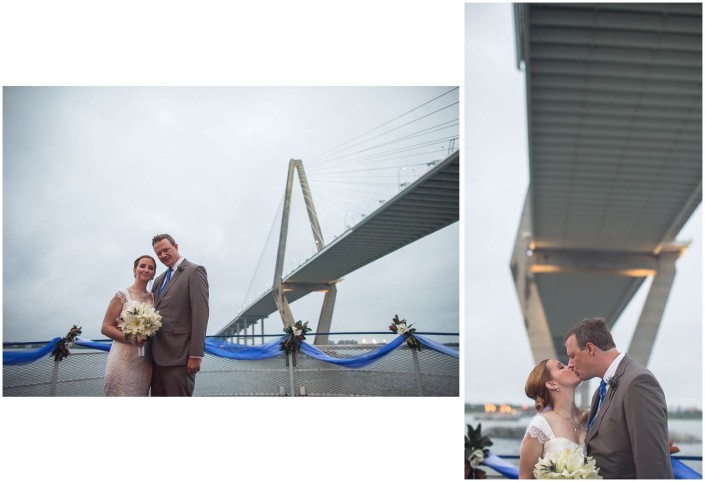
x: 127, y: 374
x: 540, y: 429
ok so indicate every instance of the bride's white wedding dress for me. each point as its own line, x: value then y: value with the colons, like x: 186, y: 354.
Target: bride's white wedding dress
x: 540, y: 429
x: 127, y: 374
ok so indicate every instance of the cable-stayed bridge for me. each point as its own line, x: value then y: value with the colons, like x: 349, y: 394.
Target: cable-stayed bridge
x: 614, y: 101
x: 362, y: 200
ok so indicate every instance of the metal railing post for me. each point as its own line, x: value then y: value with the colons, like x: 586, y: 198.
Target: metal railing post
x: 291, y: 362
x: 417, y: 371
x: 54, y: 379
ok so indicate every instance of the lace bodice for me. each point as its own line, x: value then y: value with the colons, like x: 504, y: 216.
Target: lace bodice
x: 540, y: 429
x: 125, y: 297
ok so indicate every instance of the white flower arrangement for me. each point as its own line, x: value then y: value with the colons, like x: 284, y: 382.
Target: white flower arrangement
x: 401, y: 328
x: 570, y: 463
x: 476, y: 458
x: 296, y: 333
x: 141, y: 321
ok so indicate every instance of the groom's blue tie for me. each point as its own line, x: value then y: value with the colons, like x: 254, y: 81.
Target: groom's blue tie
x: 603, y: 390
x: 168, y: 277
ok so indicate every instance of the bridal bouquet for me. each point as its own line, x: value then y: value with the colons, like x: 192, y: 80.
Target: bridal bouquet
x: 141, y: 322
x: 570, y: 463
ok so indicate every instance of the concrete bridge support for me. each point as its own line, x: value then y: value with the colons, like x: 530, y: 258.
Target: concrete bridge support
x: 546, y: 335
x: 279, y: 288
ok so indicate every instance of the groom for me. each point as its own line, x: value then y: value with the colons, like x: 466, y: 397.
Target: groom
x: 181, y: 297
x: 628, y: 426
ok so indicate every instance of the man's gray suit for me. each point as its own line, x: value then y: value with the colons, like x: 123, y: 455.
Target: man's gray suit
x: 183, y: 306
x: 629, y: 438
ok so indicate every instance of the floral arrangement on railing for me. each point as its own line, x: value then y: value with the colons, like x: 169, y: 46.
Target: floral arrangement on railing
x: 296, y: 334
x: 400, y: 327
x: 62, y: 346
x: 475, y: 452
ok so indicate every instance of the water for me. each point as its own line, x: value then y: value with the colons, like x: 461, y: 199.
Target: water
x: 506, y: 436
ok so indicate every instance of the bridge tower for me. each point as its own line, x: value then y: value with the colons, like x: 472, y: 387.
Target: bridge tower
x: 279, y: 288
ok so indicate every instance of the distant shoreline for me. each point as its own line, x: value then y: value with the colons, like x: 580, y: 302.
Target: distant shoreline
x: 518, y: 411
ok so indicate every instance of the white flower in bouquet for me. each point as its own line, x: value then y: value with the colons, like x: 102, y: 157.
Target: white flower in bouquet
x: 140, y: 321
x: 402, y: 328
x: 566, y: 464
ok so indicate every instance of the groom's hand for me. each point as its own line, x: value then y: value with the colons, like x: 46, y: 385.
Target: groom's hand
x: 193, y: 365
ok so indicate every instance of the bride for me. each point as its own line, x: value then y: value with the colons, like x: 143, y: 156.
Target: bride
x: 128, y: 373
x: 559, y: 423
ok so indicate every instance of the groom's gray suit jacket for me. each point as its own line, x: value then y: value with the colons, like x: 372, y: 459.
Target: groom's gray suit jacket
x: 629, y: 438
x: 183, y: 306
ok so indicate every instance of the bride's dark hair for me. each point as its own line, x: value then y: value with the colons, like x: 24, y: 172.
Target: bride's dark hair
x: 535, y: 387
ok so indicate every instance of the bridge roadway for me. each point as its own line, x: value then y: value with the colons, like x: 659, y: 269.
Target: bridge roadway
x: 614, y: 102
x: 425, y: 206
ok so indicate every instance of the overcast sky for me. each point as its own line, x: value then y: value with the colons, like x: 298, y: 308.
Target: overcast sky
x: 91, y: 174
x: 497, y: 176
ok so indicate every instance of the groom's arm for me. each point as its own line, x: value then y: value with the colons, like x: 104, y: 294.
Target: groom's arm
x: 198, y: 293
x: 647, y: 422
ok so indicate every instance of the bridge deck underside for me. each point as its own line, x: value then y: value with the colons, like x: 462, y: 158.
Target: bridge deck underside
x: 614, y: 106
x: 614, y: 102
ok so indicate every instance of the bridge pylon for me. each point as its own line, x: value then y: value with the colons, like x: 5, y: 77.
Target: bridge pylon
x: 593, y: 270
x: 279, y: 288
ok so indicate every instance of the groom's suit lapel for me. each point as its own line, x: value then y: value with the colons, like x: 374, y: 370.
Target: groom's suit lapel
x: 593, y: 407
x: 158, y: 281
x: 607, y: 401
x: 173, y: 279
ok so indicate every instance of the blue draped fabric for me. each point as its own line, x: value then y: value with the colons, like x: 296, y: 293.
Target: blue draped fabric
x: 435, y: 346
x: 98, y: 345
x: 356, y: 361
x: 680, y: 470
x: 18, y: 357
x: 236, y: 351
x: 502, y: 466
x: 272, y: 349
x: 223, y: 349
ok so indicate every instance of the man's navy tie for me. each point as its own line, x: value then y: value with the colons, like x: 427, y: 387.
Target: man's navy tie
x: 603, y: 390
x: 168, y: 277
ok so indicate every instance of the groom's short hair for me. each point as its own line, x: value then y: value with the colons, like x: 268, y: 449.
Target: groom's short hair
x: 593, y: 330
x: 159, y: 237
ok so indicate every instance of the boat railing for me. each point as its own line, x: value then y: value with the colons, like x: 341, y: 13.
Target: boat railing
x: 232, y: 369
